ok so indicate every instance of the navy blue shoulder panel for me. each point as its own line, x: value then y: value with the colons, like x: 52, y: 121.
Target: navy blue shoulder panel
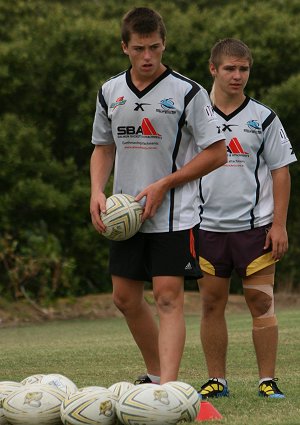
x: 270, y: 118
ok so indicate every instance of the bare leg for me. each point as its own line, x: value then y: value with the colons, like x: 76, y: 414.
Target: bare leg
x: 265, y: 344
x: 213, y: 331
x: 169, y: 296
x: 128, y: 296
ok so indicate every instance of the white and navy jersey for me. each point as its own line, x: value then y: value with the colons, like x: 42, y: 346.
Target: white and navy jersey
x: 156, y: 132
x: 239, y: 195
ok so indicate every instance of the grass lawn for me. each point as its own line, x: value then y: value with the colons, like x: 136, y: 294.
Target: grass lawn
x: 102, y: 352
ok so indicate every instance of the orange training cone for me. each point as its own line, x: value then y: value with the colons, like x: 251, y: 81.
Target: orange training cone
x: 207, y: 412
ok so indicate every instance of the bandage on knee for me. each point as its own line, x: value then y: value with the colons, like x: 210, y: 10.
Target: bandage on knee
x: 263, y: 283
x: 264, y: 322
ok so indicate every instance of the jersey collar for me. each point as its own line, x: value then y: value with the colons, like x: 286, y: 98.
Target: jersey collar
x: 142, y: 93
x: 234, y: 113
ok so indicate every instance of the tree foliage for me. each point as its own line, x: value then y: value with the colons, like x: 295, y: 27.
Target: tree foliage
x: 54, y: 55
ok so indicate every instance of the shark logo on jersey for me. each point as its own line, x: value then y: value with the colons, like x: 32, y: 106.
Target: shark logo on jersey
x: 119, y: 101
x: 167, y: 106
x: 253, y: 124
x: 253, y: 127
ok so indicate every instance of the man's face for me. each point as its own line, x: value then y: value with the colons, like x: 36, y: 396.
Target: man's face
x: 232, y: 75
x: 145, y: 53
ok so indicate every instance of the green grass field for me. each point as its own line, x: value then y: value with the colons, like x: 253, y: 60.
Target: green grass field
x: 102, y: 352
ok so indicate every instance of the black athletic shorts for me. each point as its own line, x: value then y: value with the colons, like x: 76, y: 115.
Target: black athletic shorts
x: 223, y: 252
x: 146, y: 255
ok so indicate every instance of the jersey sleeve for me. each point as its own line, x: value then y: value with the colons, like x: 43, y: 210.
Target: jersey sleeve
x: 202, y: 121
x: 278, y: 151
x: 102, y: 132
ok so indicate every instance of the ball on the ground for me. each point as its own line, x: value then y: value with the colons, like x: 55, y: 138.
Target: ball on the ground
x: 119, y: 388
x: 33, y: 379
x: 150, y: 404
x: 34, y: 404
x: 89, y: 407
x: 55, y: 379
x: 122, y: 218
x: 189, y: 397
x: 60, y: 381
x: 6, y: 387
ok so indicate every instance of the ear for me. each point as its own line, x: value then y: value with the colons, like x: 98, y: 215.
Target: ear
x: 124, y: 47
x: 212, y: 69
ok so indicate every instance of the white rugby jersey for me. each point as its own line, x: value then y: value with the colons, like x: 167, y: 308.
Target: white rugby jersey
x: 239, y: 195
x: 156, y: 132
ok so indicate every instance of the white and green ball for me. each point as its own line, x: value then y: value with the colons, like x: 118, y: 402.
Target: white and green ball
x: 119, y: 388
x: 34, y: 404
x: 54, y: 379
x: 189, y: 397
x: 89, y: 407
x: 6, y: 387
x: 150, y: 404
x: 122, y: 218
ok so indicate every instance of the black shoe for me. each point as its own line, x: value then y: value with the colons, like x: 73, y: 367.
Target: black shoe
x: 143, y: 379
x: 269, y: 389
x: 213, y: 388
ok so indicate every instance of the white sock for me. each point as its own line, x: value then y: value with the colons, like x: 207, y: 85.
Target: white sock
x: 265, y: 379
x: 155, y: 379
x: 221, y: 380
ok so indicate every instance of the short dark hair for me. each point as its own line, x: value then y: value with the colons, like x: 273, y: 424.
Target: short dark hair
x: 229, y: 47
x: 142, y: 20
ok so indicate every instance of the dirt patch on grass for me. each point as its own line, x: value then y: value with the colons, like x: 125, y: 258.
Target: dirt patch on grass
x: 101, y: 306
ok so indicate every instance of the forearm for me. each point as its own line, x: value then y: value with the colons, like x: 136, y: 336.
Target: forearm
x: 101, y: 165
x: 205, y: 162
x: 281, y: 193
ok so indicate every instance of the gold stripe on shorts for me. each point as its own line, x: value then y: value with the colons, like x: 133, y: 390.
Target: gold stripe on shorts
x: 260, y: 263
x: 206, y: 266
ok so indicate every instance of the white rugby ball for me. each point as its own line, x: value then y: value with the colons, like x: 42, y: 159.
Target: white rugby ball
x: 122, y: 218
x: 189, y: 397
x: 119, y: 388
x: 34, y: 404
x: 89, y: 407
x: 55, y: 379
x: 6, y: 387
x: 60, y: 381
x: 33, y: 379
x: 149, y: 404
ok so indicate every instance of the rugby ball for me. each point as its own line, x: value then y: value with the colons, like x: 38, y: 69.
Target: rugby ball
x: 34, y: 404
x: 189, y: 398
x: 119, y: 388
x: 149, y: 404
x: 6, y: 387
x: 89, y: 407
x: 55, y: 379
x: 33, y: 379
x: 122, y: 218
x: 60, y: 381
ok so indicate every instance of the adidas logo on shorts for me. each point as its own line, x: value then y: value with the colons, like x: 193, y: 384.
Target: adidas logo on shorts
x: 188, y: 266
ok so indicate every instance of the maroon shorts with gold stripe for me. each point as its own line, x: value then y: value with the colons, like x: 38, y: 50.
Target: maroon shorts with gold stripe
x: 146, y: 255
x: 223, y: 252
